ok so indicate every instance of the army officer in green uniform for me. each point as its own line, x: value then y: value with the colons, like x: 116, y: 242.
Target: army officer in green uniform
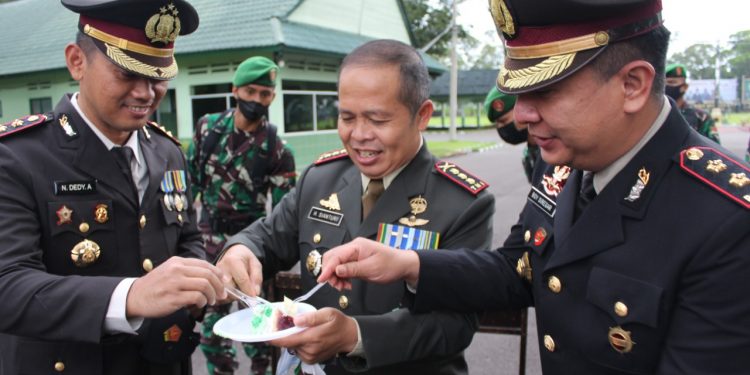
x: 89, y: 248
x: 499, y: 109
x: 676, y: 87
x: 384, y: 185
x: 235, y: 160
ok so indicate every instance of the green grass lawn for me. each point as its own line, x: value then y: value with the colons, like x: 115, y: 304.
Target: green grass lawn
x: 443, y: 149
x: 740, y: 118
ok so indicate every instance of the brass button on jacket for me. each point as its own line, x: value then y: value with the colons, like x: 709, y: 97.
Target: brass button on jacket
x: 148, y: 265
x: 621, y: 309
x: 554, y: 284
x: 343, y: 302
x: 549, y: 343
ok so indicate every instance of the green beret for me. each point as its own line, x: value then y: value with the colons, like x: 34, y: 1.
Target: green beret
x: 258, y: 70
x: 508, y: 102
x: 676, y: 71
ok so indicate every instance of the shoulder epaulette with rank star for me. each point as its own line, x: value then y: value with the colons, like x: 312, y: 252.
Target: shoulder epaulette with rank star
x: 161, y: 130
x: 331, y: 156
x: 461, y: 177
x: 22, y: 123
x: 726, y: 175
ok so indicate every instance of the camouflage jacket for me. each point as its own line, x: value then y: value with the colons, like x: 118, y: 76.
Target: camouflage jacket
x: 225, y: 183
x: 701, y: 122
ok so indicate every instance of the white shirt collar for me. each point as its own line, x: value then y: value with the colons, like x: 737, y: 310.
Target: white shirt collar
x: 132, y: 141
x: 603, y: 177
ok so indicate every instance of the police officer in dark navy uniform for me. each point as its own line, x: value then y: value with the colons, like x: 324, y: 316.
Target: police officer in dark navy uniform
x: 633, y: 244
x: 676, y: 87
x: 101, y: 268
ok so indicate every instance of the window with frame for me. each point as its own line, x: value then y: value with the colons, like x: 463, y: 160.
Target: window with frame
x: 40, y: 105
x: 310, y: 106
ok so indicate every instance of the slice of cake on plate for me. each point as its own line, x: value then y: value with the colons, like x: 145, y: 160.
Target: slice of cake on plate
x: 273, y: 317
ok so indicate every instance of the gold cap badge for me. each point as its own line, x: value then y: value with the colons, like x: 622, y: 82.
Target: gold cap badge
x: 164, y: 26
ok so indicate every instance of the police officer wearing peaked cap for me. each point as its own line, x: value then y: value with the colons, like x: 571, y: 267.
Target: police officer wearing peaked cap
x: 101, y: 272
x: 633, y: 243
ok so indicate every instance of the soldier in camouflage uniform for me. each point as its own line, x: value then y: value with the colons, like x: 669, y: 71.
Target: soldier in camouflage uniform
x: 499, y: 109
x: 676, y: 87
x: 235, y: 159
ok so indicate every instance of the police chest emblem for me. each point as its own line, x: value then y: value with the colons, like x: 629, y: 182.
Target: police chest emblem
x: 85, y: 253
x: 551, y: 186
x: 554, y: 184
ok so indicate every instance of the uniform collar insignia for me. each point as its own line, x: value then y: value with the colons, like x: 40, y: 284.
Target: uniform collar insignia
x: 66, y: 126
x: 640, y: 184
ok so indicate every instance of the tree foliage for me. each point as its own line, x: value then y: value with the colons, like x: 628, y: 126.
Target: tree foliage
x: 739, y: 54
x: 734, y: 60
x: 429, y: 18
x: 699, y: 60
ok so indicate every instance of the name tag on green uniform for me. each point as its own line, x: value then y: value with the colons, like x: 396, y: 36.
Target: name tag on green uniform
x: 407, y: 238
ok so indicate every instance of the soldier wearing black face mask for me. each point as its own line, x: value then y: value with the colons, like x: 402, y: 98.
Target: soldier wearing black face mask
x: 676, y: 87
x: 235, y: 159
x: 499, y: 109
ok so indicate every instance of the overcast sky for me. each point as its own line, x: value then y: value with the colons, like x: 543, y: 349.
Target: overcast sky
x: 690, y: 21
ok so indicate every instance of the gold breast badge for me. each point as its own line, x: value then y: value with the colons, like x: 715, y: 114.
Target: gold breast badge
x: 418, y: 205
x: 85, y: 253
x: 64, y: 215
x: 332, y: 203
x: 101, y: 215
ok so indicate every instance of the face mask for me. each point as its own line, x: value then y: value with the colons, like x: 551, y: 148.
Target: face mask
x: 510, y: 134
x: 252, y: 111
x: 674, y: 92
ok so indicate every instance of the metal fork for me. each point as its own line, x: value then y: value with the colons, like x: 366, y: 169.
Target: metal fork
x: 249, y: 301
x: 310, y: 293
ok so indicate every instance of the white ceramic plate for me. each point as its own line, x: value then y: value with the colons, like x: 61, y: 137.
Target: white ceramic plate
x: 236, y: 326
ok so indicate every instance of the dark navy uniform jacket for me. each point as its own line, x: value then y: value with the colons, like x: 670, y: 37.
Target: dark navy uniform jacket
x: 53, y: 311
x: 651, y: 278
x: 394, y: 341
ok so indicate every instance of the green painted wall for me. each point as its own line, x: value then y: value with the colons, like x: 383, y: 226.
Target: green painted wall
x: 376, y: 18
x: 16, y: 91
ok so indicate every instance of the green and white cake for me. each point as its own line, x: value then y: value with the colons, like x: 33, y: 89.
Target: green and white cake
x: 273, y: 317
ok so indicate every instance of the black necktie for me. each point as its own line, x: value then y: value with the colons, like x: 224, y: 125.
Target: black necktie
x: 374, y: 190
x: 124, y: 156
x: 587, y: 193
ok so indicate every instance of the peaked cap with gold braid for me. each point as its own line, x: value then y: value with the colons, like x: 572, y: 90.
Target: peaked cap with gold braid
x: 137, y: 35
x: 548, y: 40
